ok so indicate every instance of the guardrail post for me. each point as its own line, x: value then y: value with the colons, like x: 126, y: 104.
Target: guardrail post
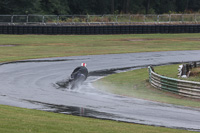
x: 58, y: 19
x: 43, y: 19
x: 194, y: 64
x: 102, y: 18
x: 12, y: 19
x: 73, y: 19
x: 26, y: 18
x: 184, y: 70
x: 182, y: 18
x: 149, y: 68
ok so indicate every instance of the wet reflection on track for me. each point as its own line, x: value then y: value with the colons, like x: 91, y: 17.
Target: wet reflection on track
x: 72, y: 110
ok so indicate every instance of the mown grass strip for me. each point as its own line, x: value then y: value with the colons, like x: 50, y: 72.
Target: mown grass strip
x: 20, y: 47
x: 19, y: 120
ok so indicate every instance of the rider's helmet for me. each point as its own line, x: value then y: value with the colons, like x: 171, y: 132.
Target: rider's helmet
x: 83, y: 64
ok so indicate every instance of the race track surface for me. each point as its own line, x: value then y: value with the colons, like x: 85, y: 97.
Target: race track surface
x: 32, y: 84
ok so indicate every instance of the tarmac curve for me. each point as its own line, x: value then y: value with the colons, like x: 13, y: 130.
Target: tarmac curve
x: 31, y: 84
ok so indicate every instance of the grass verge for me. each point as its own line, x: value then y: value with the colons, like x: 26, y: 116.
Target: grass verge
x: 164, y: 70
x: 20, y: 47
x: 19, y: 120
x: 135, y: 84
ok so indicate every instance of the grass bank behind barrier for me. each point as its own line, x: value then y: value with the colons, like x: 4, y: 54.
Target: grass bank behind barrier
x: 164, y: 70
x: 20, y: 47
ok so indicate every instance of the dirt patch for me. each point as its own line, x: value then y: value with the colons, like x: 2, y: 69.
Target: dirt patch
x: 7, y: 45
x: 59, y: 44
x: 193, y: 39
x: 136, y: 39
x: 156, y: 39
x: 187, y: 39
x: 195, y: 72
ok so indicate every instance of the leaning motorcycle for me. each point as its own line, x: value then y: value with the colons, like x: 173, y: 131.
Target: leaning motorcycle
x: 76, y: 81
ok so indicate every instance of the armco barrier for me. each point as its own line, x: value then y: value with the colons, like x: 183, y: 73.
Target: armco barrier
x: 89, y: 30
x: 180, y: 87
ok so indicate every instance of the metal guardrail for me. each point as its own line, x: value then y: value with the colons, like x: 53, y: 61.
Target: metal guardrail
x: 99, y: 19
x: 180, y: 87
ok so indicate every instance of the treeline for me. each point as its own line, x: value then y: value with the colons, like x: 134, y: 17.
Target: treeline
x: 94, y: 7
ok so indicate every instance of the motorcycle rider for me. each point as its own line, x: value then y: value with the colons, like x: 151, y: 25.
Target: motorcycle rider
x: 80, y: 73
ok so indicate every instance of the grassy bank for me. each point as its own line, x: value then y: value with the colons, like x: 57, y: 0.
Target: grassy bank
x: 18, y: 120
x: 136, y: 84
x: 20, y: 47
x: 164, y: 70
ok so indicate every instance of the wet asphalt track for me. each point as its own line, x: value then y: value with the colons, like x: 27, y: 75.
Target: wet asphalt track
x: 31, y: 84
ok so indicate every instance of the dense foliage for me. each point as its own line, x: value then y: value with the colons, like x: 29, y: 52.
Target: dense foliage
x: 65, y: 7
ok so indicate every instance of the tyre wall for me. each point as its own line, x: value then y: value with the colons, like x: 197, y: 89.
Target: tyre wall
x: 90, y: 30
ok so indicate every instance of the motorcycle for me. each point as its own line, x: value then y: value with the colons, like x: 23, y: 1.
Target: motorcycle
x: 76, y: 82
x: 78, y: 76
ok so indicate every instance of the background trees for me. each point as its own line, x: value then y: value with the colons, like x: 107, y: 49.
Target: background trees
x: 65, y: 7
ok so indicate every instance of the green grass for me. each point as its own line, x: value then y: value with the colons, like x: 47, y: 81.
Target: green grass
x: 21, y: 47
x: 40, y: 46
x: 164, y: 70
x: 19, y: 120
x: 135, y: 84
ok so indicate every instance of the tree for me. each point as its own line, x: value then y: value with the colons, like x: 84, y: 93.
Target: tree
x: 112, y: 6
x: 147, y: 6
x: 194, y: 5
x: 126, y: 5
x: 22, y: 6
x: 83, y: 7
x: 57, y: 7
x: 137, y: 6
x: 3, y: 6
